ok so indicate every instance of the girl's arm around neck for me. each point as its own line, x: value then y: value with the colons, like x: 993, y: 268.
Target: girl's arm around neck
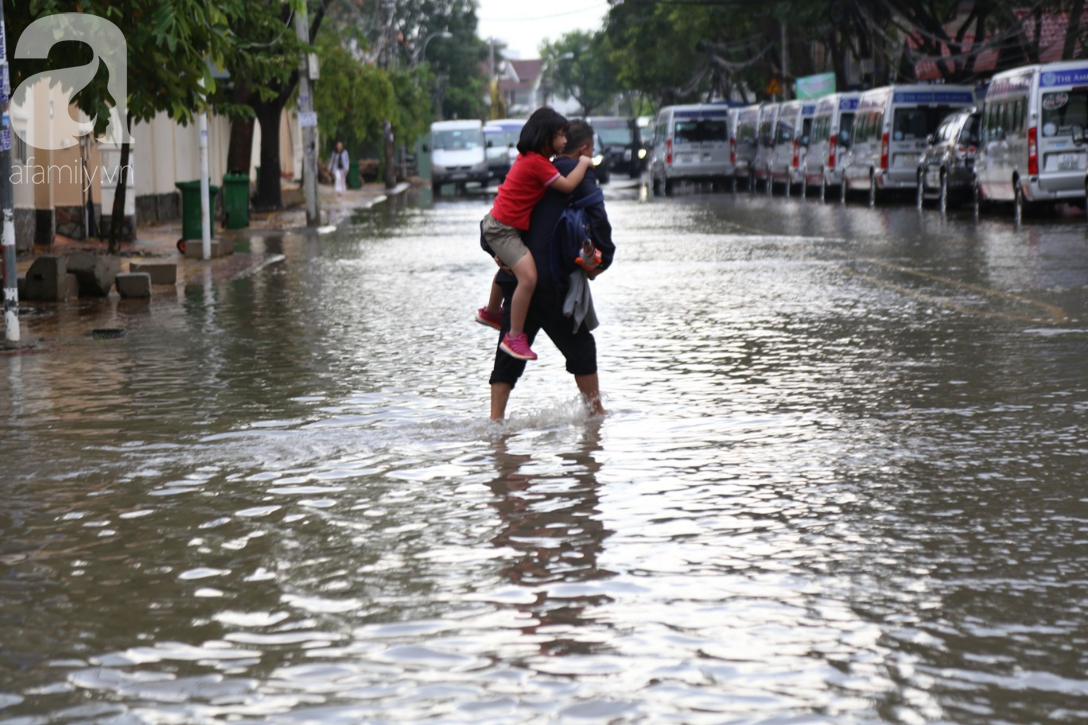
x: 567, y: 184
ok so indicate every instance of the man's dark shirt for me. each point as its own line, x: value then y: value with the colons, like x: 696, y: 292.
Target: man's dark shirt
x: 545, y: 217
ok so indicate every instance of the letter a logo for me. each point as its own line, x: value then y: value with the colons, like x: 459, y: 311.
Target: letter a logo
x: 58, y: 130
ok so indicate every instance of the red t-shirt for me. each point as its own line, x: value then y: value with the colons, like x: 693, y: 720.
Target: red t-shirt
x: 525, y: 185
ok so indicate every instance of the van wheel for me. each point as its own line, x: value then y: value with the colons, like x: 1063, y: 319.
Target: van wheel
x: 842, y: 189
x: 734, y: 185
x: 668, y: 187
x: 1017, y: 202
x: 655, y: 185
x: 872, y: 190
x: 770, y: 183
x: 920, y: 196
x: 804, y: 186
x: 823, y: 187
x: 944, y: 192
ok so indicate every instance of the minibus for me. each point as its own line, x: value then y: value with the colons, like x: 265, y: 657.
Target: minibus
x: 502, y: 145
x: 768, y: 120
x: 458, y: 153
x: 832, y: 133
x: 791, y: 142
x: 620, y: 138
x: 891, y: 130
x: 690, y: 142
x: 743, y: 127
x: 1032, y: 149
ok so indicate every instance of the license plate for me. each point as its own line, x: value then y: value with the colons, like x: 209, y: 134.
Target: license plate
x: 1068, y: 162
x: 907, y: 160
x: 684, y: 158
x: 458, y: 176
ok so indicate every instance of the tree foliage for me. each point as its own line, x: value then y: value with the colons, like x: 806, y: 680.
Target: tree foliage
x: 683, y: 50
x: 579, y: 67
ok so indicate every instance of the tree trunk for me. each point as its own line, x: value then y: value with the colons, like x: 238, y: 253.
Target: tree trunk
x: 117, y: 218
x: 240, y: 152
x: 269, y: 195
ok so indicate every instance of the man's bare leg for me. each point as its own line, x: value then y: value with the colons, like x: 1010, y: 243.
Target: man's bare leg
x: 589, y: 387
x: 500, y: 395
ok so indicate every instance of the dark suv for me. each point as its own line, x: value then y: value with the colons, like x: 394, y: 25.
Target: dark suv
x: 946, y: 170
x: 620, y: 138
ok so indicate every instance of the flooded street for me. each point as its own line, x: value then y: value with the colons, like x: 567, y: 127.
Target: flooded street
x: 842, y: 481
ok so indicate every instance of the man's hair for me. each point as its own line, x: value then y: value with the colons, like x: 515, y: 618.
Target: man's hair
x: 540, y: 129
x: 579, y: 133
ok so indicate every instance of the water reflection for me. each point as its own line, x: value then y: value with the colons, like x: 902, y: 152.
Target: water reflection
x: 555, y: 525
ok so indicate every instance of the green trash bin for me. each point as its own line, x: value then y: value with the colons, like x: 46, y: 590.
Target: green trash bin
x: 191, y: 227
x: 355, y: 180
x: 235, y: 201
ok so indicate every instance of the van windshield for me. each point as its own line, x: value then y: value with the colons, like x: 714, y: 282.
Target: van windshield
x: 502, y: 136
x: 1062, y: 111
x: 615, y: 136
x: 697, y: 131
x: 917, y: 123
x: 457, y: 140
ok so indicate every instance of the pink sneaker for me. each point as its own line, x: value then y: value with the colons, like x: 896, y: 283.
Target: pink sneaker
x: 517, y: 346
x: 486, y: 318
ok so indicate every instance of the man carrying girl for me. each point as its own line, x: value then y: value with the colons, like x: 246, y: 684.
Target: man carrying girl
x: 542, y: 136
x: 546, y: 308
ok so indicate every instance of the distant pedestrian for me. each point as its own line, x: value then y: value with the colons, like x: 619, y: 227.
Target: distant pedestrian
x: 338, y: 165
x: 544, y: 135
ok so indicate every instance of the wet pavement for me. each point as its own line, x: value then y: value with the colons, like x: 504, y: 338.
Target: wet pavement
x: 841, y: 482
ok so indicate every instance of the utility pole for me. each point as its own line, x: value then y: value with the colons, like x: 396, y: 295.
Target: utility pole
x: 7, y: 197
x: 387, y: 127
x: 205, y: 186
x: 308, y: 121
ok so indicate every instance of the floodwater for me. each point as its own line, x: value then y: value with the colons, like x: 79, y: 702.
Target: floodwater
x: 842, y: 481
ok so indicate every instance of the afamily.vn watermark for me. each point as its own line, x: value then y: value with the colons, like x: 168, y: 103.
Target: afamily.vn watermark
x: 73, y: 173
x: 107, y: 43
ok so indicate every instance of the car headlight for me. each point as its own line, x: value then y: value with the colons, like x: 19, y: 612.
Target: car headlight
x: 642, y: 153
x: 598, y: 159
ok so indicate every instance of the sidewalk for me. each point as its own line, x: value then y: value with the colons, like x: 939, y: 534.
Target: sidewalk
x: 158, y: 243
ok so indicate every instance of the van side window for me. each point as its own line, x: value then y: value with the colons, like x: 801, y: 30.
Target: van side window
x: 1016, y: 120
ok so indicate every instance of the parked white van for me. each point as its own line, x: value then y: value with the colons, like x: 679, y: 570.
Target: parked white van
x: 768, y: 121
x: 690, y: 142
x: 791, y: 140
x: 744, y: 129
x: 832, y: 133
x: 890, y: 132
x: 458, y: 153
x: 1032, y: 148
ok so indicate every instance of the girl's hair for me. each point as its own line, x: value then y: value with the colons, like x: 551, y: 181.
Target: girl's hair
x: 539, y: 130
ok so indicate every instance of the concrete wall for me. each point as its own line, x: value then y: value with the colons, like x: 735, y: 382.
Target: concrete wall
x: 50, y: 186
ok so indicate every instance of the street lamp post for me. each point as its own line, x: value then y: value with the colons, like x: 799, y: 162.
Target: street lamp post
x: 418, y: 58
x: 423, y: 47
x: 543, y: 91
